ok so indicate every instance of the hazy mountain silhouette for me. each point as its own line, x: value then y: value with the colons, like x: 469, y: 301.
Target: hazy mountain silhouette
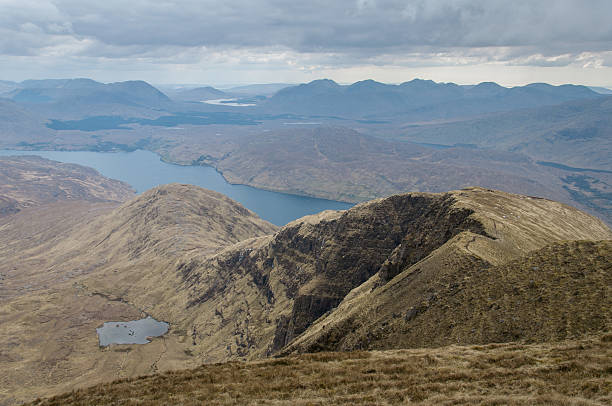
x: 87, y: 91
x: 198, y: 94
x: 426, y: 98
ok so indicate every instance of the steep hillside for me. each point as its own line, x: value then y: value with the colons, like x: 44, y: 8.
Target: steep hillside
x: 33, y: 181
x: 51, y: 265
x: 289, y: 280
x: 234, y: 287
x: 569, y: 373
x: 561, y: 291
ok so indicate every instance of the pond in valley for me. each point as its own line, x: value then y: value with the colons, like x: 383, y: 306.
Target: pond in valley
x: 131, y: 332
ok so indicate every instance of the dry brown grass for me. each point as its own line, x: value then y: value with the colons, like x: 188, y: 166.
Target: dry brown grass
x: 561, y: 291
x: 565, y: 373
x: 27, y: 181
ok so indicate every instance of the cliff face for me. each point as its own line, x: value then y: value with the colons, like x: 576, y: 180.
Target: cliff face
x: 309, y: 266
x: 332, y: 266
x: 559, y: 292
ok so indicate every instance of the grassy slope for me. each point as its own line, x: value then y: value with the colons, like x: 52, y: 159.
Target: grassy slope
x: 563, y: 373
x: 561, y: 291
x: 48, y: 340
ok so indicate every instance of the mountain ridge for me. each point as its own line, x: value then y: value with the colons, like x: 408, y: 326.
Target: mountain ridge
x: 369, y: 98
x: 69, y: 96
x: 234, y: 287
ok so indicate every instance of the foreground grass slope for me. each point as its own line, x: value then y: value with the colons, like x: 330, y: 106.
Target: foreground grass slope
x: 565, y: 373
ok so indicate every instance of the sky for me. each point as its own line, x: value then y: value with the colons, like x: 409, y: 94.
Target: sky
x: 217, y: 42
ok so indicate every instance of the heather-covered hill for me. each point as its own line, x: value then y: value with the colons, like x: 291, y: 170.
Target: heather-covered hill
x: 53, y: 258
x: 234, y: 287
x: 33, y: 181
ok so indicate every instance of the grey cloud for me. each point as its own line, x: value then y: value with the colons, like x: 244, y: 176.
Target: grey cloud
x: 356, y: 30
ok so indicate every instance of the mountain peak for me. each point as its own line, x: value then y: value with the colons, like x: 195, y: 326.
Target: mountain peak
x: 422, y: 83
x: 489, y: 85
x: 322, y: 83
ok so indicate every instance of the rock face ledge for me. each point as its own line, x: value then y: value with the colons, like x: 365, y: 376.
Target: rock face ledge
x: 331, y: 280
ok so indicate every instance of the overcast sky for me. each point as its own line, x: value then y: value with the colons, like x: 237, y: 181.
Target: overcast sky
x: 218, y: 42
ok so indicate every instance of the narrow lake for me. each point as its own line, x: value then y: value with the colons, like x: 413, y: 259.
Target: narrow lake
x: 144, y: 170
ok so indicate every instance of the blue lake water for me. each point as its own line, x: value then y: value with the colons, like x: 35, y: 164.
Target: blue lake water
x: 144, y: 170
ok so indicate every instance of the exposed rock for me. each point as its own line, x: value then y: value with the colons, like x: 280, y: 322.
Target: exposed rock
x: 314, y: 264
x: 408, y: 270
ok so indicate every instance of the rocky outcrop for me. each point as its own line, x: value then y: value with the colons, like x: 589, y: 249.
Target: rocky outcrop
x: 317, y: 267
x: 562, y: 291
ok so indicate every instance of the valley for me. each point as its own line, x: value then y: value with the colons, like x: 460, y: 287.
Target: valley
x: 357, y: 202
x: 470, y: 244
x: 496, y: 135
x: 235, y: 288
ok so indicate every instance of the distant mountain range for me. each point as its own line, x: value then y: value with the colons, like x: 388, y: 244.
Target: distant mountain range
x: 267, y: 89
x: 201, y: 93
x: 568, y: 126
x: 73, y: 93
x: 419, y: 99
x: 416, y: 100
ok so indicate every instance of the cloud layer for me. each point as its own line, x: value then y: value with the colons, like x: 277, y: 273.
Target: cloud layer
x: 324, y: 34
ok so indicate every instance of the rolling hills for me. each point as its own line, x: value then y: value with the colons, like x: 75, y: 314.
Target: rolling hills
x: 467, y: 135
x: 339, y: 163
x: 234, y: 287
x: 577, y: 133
